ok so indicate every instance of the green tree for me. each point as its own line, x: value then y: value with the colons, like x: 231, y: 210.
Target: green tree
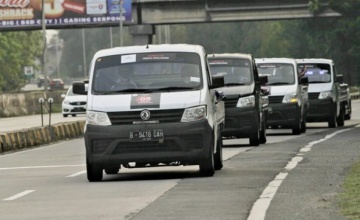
x: 17, y: 50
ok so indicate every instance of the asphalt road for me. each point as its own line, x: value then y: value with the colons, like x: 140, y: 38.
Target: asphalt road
x: 290, y: 177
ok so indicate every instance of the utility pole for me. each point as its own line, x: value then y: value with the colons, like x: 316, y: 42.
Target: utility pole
x: 121, y: 22
x: 84, y: 52
x: 44, y: 71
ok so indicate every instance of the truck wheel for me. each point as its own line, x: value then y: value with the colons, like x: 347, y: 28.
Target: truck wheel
x: 296, y: 130
x: 218, y: 154
x: 263, y: 131
x: 348, y: 107
x: 332, y: 120
x: 341, y: 118
x: 207, y: 167
x: 94, y: 172
x: 303, y: 124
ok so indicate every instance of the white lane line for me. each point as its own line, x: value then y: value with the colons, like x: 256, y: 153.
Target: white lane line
x: 261, y: 205
x: 77, y: 174
x: 18, y: 195
x: 41, y: 167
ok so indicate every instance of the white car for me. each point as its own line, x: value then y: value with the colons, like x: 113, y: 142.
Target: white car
x: 73, y: 104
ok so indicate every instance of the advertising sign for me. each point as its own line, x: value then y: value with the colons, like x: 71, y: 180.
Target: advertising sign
x: 27, y: 14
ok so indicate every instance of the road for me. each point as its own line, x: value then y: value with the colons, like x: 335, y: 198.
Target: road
x: 290, y: 177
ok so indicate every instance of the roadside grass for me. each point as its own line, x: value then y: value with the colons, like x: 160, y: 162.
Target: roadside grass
x: 350, y: 198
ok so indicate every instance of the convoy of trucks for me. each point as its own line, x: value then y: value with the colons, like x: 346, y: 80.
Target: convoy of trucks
x: 171, y: 105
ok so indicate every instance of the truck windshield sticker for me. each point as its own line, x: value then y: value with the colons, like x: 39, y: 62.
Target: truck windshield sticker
x: 151, y: 100
x: 131, y: 58
x: 157, y: 56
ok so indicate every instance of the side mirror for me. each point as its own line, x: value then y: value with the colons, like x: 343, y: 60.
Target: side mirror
x: 340, y: 78
x: 304, y: 80
x: 263, y: 80
x: 217, y: 82
x: 79, y: 88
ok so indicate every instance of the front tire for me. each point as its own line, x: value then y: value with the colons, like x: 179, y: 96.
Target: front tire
x: 340, y: 120
x: 207, y: 165
x: 218, y: 155
x: 263, y: 131
x: 255, y: 136
x: 94, y: 172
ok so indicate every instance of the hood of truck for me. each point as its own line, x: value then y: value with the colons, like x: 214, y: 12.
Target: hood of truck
x: 282, y: 90
x: 319, y: 87
x: 134, y: 102
x: 237, y: 90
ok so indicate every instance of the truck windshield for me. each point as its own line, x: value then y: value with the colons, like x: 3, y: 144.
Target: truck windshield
x: 316, y: 73
x: 147, y: 72
x: 277, y: 73
x: 235, y: 71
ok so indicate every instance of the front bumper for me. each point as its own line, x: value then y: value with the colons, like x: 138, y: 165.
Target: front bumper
x: 320, y: 110
x: 188, y: 143
x: 240, y: 122
x: 283, y: 114
x: 68, y: 109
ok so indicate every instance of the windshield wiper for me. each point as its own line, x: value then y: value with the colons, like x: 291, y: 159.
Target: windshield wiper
x: 278, y: 83
x: 234, y: 84
x: 317, y: 82
x: 169, y: 88
x: 124, y: 91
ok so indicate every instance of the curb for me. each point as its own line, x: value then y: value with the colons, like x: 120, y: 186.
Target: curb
x: 17, y: 140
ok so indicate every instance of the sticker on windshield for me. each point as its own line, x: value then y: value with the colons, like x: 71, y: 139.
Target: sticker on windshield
x: 218, y: 62
x: 128, y: 58
x: 195, y: 79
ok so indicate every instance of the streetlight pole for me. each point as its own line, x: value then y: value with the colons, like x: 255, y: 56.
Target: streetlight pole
x: 57, y: 56
x: 43, y: 24
x: 121, y: 22
x: 84, y: 51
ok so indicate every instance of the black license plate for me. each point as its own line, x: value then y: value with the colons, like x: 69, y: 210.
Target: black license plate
x: 146, y: 135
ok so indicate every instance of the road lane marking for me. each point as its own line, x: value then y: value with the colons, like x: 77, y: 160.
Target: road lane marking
x: 258, y: 211
x: 77, y: 174
x: 40, y: 167
x: 19, y: 195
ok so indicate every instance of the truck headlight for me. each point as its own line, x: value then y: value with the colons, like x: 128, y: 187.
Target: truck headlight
x: 97, y: 118
x: 246, y: 102
x: 325, y: 95
x: 194, y: 114
x: 66, y: 102
x: 290, y: 98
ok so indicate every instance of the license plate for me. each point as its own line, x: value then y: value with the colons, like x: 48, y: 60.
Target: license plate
x: 146, y: 135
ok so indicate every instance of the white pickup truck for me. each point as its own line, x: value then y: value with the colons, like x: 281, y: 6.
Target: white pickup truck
x: 152, y: 105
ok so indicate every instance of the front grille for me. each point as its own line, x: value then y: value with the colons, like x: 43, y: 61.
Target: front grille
x: 231, y: 102
x: 314, y: 95
x: 163, y: 116
x: 77, y: 103
x: 149, y: 146
x: 275, y: 99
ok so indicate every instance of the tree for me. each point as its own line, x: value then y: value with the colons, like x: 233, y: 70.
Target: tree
x: 17, y: 50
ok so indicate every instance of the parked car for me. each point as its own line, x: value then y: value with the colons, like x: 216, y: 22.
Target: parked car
x: 57, y: 84
x: 73, y: 104
x: 41, y: 81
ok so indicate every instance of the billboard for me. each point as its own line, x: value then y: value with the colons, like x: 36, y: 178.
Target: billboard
x: 27, y: 14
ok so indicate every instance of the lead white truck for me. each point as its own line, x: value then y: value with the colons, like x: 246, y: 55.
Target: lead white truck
x: 152, y: 105
x: 329, y: 98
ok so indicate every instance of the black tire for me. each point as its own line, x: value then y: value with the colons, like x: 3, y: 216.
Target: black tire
x: 263, y: 131
x: 112, y: 170
x: 207, y: 165
x: 65, y: 116
x: 303, y: 124
x: 94, y: 172
x: 254, y: 138
x: 340, y: 120
x: 218, y: 155
x: 296, y: 129
x: 332, y: 120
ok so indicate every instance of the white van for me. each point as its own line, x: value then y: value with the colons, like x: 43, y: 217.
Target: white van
x: 288, y: 98
x: 245, y: 111
x: 152, y: 105
x: 328, y: 96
